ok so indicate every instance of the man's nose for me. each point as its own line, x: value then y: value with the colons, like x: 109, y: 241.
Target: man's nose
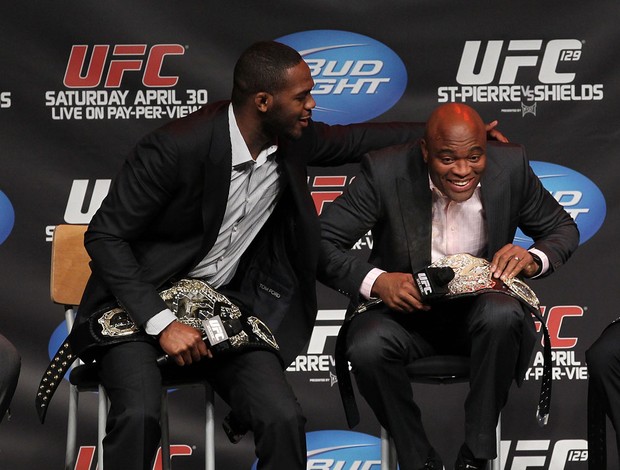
x: 461, y: 168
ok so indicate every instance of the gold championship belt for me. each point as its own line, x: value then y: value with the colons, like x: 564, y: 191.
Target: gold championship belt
x: 223, y: 325
x: 449, y: 278
x: 471, y: 276
x: 197, y: 304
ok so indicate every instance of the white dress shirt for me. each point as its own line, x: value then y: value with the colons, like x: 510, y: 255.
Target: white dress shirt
x: 254, y: 189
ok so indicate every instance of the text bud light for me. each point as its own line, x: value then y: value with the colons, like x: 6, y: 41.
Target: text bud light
x: 356, y: 78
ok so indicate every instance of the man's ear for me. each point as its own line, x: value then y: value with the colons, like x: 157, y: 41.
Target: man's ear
x: 262, y: 101
x: 424, y: 150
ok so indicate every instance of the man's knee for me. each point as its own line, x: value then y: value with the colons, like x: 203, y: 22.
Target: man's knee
x: 371, y: 342
x: 499, y: 314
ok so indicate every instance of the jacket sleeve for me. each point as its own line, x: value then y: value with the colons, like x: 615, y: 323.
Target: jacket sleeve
x: 141, y: 189
x: 337, y: 145
x: 343, y: 223
x: 543, y: 219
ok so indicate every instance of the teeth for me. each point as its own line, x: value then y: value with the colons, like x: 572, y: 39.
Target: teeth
x: 460, y: 183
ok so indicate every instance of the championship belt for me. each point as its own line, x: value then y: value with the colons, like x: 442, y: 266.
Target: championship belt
x: 471, y: 276
x: 449, y: 278
x: 224, y: 327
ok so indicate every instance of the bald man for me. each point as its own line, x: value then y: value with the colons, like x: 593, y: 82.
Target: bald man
x: 452, y: 192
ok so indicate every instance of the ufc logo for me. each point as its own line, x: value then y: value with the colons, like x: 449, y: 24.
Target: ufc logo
x: 324, y: 196
x: 424, y: 284
x: 133, y: 56
x: 217, y: 330
x: 519, y: 54
x: 555, y: 319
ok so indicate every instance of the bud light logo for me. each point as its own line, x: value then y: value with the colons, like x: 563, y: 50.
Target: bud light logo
x: 356, y: 77
x: 579, y: 196
x: 342, y: 450
x: 7, y: 217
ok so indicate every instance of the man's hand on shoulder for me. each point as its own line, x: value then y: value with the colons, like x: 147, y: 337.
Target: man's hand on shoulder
x: 494, y: 134
x: 399, y: 292
x: 183, y: 343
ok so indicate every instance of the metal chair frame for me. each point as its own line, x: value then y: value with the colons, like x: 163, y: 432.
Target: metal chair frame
x: 69, y: 274
x: 435, y: 370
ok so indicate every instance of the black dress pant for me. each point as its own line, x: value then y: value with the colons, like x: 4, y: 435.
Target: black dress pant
x: 380, y: 343
x: 252, y: 383
x: 603, y: 360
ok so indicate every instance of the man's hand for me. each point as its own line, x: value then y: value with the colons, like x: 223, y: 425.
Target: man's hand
x: 183, y: 343
x: 494, y: 134
x: 399, y: 292
x: 511, y: 260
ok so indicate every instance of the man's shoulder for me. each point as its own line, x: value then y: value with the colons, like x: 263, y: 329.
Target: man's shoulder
x: 197, y: 120
x: 508, y: 156
x: 395, y: 159
x: 497, y: 149
x: 395, y: 153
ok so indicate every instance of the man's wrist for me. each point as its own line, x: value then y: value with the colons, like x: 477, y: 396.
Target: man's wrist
x: 157, y: 323
x: 538, y: 262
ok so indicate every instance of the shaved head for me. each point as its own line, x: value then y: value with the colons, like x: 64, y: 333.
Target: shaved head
x: 451, y: 117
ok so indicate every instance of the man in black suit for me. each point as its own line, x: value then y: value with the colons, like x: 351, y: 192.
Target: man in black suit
x: 603, y: 359
x: 450, y: 193
x: 220, y: 195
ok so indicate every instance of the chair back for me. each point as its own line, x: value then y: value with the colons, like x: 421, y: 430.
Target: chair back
x: 70, y: 269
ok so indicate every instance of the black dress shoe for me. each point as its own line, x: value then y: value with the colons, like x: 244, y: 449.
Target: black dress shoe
x: 466, y: 460
x: 433, y: 462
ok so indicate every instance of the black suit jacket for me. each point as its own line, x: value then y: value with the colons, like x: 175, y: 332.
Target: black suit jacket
x: 392, y: 198
x: 165, y: 207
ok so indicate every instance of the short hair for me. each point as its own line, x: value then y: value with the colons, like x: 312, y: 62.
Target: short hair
x: 262, y: 67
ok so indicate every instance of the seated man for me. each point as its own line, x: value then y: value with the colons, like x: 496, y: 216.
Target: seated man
x: 450, y: 193
x: 603, y: 359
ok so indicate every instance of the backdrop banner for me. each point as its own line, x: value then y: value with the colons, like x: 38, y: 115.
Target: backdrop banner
x: 83, y: 81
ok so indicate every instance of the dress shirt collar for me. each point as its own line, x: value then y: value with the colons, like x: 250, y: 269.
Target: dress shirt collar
x: 241, y: 156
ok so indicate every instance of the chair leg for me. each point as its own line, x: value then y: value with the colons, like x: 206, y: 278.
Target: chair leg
x: 71, y: 450
x: 165, y: 431
x: 209, y: 428
x: 388, y: 451
x: 496, y: 464
x: 102, y: 416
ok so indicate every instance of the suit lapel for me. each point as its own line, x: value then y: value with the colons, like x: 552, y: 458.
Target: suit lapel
x: 217, y: 171
x: 496, y: 202
x: 414, y: 198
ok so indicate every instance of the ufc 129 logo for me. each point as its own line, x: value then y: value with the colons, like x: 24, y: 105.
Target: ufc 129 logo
x: 83, y: 73
x: 515, y: 55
